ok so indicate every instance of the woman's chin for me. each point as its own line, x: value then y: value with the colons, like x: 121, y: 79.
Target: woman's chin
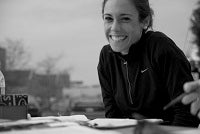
x: 115, y: 49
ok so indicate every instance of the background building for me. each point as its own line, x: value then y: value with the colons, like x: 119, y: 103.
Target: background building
x: 2, y: 59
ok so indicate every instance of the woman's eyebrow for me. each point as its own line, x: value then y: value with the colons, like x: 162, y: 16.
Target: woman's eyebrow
x: 107, y: 14
x: 125, y: 15
x: 121, y: 15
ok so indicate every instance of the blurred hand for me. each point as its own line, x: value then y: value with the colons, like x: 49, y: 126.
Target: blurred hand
x: 193, y: 90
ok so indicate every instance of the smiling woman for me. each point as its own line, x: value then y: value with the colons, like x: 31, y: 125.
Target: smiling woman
x: 122, y: 28
x: 141, y: 70
x: 73, y: 30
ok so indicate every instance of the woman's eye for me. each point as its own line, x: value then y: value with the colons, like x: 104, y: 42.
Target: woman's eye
x: 108, y: 19
x: 125, y: 19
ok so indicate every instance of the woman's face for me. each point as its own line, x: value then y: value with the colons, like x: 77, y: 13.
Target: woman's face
x: 122, y: 25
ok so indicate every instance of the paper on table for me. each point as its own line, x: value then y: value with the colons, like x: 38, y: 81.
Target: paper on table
x: 51, y: 121
x: 63, y: 118
x: 23, y: 123
x: 62, y: 130
x: 115, y: 123
x: 154, y: 120
x: 112, y: 123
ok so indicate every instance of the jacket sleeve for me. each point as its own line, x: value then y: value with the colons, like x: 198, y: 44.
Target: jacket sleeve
x: 111, y: 109
x: 176, y: 71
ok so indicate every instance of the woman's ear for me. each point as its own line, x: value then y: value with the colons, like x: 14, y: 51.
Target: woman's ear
x: 145, y: 23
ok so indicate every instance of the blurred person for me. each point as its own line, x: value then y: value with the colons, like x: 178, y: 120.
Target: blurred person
x: 141, y: 70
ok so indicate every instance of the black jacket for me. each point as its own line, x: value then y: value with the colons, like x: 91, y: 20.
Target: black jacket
x: 145, y: 80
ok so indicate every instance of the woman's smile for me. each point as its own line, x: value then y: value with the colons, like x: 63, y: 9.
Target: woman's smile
x: 118, y: 38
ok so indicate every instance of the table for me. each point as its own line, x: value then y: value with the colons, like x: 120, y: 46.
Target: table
x: 85, y: 130
x: 69, y: 125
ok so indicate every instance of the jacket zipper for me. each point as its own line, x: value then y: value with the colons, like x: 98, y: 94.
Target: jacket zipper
x: 129, y: 84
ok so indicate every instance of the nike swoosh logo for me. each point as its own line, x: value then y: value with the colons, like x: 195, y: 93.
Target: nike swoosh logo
x: 142, y: 71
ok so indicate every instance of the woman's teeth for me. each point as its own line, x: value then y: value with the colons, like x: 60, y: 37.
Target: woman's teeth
x: 117, y: 38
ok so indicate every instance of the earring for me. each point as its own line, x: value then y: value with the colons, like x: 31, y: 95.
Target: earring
x: 145, y: 27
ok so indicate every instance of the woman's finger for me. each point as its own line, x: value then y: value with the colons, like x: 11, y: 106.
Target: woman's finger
x: 192, y: 86
x: 195, y: 106
x: 187, y: 99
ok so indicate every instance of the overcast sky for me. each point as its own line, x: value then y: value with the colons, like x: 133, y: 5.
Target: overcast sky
x: 74, y: 29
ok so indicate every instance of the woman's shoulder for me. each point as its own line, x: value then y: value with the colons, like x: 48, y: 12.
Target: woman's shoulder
x: 161, y: 40
x: 105, y: 54
x: 106, y: 49
x: 157, y: 35
x: 160, y: 43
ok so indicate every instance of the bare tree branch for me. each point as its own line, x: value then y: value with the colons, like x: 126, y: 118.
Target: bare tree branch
x: 48, y: 65
x: 17, y: 57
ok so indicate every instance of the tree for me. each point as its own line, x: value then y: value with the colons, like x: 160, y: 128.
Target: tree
x: 196, y: 25
x: 17, y: 56
x: 48, y: 65
x: 49, y: 81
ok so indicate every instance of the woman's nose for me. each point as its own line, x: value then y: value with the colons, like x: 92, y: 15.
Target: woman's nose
x: 115, y: 26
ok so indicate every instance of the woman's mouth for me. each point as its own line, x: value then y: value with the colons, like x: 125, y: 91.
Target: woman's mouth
x: 118, y: 38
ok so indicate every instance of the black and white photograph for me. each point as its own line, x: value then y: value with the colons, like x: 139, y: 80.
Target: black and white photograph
x: 100, y: 66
